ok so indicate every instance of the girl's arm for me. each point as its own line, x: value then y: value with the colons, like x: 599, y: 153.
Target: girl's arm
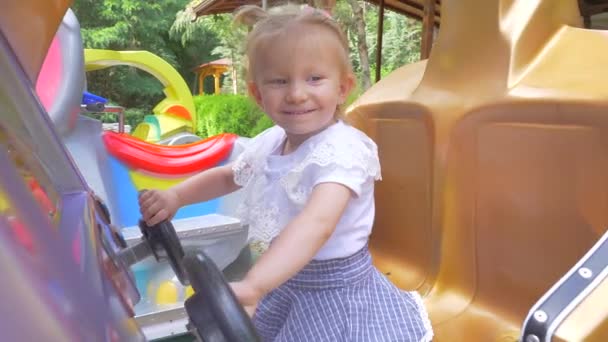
x: 298, y: 243
x: 156, y: 206
x: 207, y: 185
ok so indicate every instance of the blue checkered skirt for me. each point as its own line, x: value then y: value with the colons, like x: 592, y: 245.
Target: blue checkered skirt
x: 346, y: 300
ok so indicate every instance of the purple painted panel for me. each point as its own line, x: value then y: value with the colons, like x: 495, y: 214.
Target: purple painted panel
x: 59, y: 283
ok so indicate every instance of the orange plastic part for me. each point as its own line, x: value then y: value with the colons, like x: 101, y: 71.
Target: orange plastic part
x: 179, y: 111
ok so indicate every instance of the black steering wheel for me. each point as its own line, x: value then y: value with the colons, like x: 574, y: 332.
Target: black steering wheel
x: 165, y: 244
x: 214, y: 311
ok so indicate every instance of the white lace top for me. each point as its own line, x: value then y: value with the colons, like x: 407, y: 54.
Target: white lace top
x: 276, y: 187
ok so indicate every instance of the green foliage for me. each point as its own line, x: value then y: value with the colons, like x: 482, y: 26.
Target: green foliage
x: 400, y: 41
x: 263, y: 123
x: 138, y: 25
x: 128, y: 24
x: 166, y: 28
x: 134, y: 116
x: 230, y: 40
x: 126, y: 86
x: 225, y: 113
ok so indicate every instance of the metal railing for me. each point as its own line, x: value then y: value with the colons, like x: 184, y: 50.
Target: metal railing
x: 100, y: 108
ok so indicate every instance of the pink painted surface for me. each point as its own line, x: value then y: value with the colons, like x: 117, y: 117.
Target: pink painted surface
x: 49, y: 78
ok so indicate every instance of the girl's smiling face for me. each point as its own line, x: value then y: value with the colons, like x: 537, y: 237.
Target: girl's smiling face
x: 300, y: 79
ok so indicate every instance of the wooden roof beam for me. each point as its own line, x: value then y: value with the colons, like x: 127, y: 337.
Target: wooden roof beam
x: 401, y: 7
x: 589, y: 10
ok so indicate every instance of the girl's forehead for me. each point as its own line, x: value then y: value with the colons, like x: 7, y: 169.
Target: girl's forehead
x: 303, y: 45
x: 298, y: 38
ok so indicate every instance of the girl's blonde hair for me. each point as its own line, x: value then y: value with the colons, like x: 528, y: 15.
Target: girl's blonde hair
x: 264, y: 24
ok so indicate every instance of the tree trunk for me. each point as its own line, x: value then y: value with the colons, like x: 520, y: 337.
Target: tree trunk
x: 359, y: 23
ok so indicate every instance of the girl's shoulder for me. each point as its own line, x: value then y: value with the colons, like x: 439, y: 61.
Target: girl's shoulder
x: 344, y: 147
x: 345, y: 138
x: 268, y: 136
x: 252, y: 159
x: 340, y: 154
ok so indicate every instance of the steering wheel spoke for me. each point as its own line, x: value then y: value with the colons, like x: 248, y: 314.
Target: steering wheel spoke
x: 214, y: 306
x: 165, y: 244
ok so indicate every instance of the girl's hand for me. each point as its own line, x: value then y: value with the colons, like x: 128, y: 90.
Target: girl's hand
x: 158, y: 205
x: 248, y: 295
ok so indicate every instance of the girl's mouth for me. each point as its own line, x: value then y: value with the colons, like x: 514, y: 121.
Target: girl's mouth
x: 298, y: 112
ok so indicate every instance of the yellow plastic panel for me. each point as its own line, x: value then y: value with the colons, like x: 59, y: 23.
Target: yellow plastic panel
x: 176, y: 90
x: 143, y: 180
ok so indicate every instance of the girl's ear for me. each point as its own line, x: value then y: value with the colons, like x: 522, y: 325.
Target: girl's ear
x: 346, y: 86
x: 254, y: 92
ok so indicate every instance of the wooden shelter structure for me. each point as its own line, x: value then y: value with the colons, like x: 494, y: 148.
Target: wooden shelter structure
x: 214, y: 68
x: 593, y: 15
x: 427, y: 11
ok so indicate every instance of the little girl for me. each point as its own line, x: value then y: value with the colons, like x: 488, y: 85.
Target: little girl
x: 308, y: 190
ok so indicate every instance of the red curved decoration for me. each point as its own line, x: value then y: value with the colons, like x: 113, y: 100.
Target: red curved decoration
x: 169, y: 160
x: 164, y: 150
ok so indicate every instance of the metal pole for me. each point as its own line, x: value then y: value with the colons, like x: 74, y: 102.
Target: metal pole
x: 101, y: 108
x: 121, y: 116
x: 379, y: 45
x: 428, y: 26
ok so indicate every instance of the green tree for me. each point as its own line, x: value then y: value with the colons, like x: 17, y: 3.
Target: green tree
x: 138, y: 25
x: 230, y: 39
x: 358, y: 26
x: 401, y: 38
x: 401, y: 41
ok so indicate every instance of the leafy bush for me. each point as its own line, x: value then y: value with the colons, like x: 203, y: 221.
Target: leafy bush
x: 226, y: 113
x: 134, y: 116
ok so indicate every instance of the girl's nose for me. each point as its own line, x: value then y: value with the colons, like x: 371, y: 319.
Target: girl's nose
x: 296, y: 93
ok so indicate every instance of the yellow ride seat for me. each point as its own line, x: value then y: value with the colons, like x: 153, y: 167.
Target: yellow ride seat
x: 494, y: 163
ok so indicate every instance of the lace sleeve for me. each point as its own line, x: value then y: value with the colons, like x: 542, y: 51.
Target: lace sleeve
x: 354, y: 169
x: 242, y: 168
x: 245, y: 165
x: 351, y: 162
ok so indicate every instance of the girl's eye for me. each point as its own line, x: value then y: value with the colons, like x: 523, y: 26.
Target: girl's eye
x: 278, y: 81
x: 315, y: 78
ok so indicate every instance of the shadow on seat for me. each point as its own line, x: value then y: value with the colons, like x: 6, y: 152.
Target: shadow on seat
x: 402, y: 247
